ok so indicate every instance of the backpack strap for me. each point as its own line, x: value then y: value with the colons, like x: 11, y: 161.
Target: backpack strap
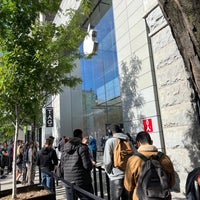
x: 158, y: 155
x: 141, y: 156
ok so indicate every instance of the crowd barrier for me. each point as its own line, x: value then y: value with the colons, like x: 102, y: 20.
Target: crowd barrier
x: 100, y: 183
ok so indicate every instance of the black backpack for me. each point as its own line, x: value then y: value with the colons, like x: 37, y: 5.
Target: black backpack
x: 153, y: 183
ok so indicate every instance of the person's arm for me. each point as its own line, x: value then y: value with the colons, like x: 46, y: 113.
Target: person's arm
x: 84, y: 152
x: 169, y: 168
x: 108, y: 156
x: 4, y: 152
x: 54, y: 157
x: 129, y: 181
x: 38, y: 159
x: 132, y: 173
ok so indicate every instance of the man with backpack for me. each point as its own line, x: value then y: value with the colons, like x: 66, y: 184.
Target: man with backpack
x: 149, y: 174
x: 117, y: 150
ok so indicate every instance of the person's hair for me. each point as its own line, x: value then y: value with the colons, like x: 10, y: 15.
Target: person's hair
x: 114, y: 128
x: 49, y: 141
x: 51, y: 137
x: 19, y: 150
x: 77, y: 133
x: 143, y: 137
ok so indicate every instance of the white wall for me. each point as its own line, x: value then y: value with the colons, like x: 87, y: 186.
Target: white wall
x: 67, y: 106
x: 131, y: 38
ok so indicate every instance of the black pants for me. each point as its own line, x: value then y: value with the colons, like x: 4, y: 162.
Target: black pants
x: 117, y: 190
x: 94, y: 155
x: 24, y: 171
x: 70, y: 193
x: 10, y: 164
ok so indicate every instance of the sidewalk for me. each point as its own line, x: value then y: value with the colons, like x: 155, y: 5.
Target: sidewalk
x: 6, y: 183
x: 178, y: 196
x: 7, y: 180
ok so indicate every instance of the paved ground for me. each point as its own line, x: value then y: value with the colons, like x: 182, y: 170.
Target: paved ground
x: 6, y: 183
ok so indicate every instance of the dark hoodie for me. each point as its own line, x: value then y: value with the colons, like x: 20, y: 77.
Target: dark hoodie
x: 47, y: 159
x: 191, y: 191
x: 76, y: 162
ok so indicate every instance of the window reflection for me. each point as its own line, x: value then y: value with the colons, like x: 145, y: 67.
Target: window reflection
x: 101, y: 88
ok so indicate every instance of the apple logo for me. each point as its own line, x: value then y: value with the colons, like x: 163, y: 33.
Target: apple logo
x: 90, y: 44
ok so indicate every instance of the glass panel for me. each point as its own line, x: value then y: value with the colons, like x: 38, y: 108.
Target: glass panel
x: 101, y: 88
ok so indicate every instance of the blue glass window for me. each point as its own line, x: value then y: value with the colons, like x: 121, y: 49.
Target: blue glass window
x: 101, y: 87
x: 100, y: 73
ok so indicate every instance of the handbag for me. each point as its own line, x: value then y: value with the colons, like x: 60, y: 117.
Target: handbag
x: 58, y: 170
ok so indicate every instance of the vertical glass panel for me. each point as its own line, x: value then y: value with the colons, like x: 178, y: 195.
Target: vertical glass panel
x: 101, y: 88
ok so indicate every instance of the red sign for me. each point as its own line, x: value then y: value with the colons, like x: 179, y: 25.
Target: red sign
x: 147, y: 123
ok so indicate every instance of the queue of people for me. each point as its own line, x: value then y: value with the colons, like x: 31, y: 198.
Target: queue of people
x: 76, y: 157
x: 77, y: 162
x: 126, y: 184
x: 24, y: 155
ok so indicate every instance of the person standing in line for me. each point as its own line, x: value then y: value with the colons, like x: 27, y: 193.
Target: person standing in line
x: 52, y: 138
x: 103, y: 142
x: 10, y: 156
x: 134, y: 164
x: 32, y: 159
x: 4, y: 157
x: 77, y: 164
x: 24, y: 164
x: 19, y: 162
x: 85, y: 140
x: 47, y: 160
x: 115, y: 174
x: 93, y: 147
x: 192, y: 186
x: 61, y: 144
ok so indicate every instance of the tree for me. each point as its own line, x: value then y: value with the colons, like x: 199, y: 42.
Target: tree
x: 184, y: 20
x: 36, y: 59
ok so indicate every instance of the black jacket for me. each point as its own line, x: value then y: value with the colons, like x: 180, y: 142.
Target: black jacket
x: 76, y: 162
x: 47, y: 159
x: 190, y: 184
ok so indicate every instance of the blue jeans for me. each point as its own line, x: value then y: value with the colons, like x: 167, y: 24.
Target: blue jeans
x: 46, y: 180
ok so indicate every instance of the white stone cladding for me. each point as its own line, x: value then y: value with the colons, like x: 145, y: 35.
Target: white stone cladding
x: 174, y: 95
x: 131, y: 39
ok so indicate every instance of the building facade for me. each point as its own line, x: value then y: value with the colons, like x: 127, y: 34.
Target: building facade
x: 136, y: 79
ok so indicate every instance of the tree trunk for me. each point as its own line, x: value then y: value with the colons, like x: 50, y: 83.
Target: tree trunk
x: 31, y: 155
x: 14, y: 190
x: 183, y: 17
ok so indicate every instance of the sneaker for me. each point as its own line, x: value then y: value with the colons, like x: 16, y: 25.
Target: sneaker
x: 24, y: 182
x: 3, y: 176
x: 18, y: 182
